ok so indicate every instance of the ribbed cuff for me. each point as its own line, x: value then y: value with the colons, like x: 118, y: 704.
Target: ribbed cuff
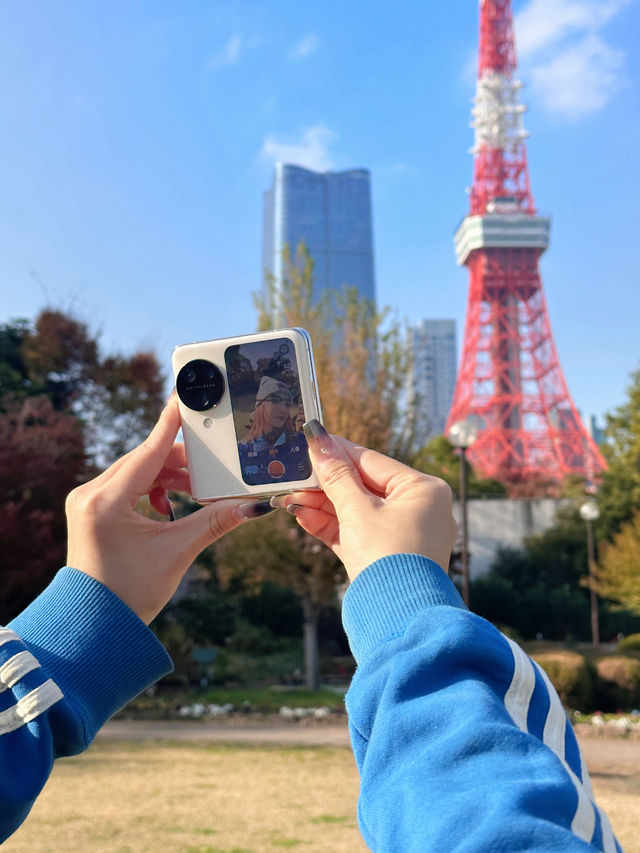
x: 96, y: 649
x: 386, y: 596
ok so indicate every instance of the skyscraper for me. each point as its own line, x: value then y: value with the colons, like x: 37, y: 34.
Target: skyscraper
x: 433, y: 376
x: 331, y: 212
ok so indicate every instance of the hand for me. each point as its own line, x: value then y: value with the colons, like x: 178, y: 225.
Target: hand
x: 137, y: 558
x: 371, y: 506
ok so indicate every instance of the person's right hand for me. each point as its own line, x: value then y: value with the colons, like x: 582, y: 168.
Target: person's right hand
x: 371, y: 506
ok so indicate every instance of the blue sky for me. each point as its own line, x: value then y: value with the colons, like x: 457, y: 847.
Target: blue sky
x: 137, y: 140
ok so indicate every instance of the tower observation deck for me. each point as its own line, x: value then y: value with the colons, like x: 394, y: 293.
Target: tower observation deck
x: 510, y: 381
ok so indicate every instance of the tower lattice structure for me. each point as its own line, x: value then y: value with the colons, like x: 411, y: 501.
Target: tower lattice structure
x: 510, y: 382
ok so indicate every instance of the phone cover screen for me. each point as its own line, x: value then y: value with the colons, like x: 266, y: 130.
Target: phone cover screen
x: 264, y: 385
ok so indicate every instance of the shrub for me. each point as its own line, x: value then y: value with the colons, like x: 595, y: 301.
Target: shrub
x: 618, y: 683
x: 629, y: 644
x: 570, y: 675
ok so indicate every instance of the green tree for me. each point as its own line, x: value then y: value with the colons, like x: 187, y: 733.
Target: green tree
x: 276, y: 549
x: 439, y: 458
x: 619, y: 496
x: 618, y: 570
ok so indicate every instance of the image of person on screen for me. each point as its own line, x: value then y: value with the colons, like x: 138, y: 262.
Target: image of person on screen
x: 273, y: 450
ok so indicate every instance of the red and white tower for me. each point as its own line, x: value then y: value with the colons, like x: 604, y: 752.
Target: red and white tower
x: 510, y: 382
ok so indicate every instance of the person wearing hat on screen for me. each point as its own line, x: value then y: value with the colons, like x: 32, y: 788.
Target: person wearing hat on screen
x: 273, y: 449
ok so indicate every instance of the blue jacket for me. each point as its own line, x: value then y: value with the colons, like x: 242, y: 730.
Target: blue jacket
x: 69, y: 661
x: 461, y: 741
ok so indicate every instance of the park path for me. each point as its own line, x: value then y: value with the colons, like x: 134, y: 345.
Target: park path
x: 287, y: 734
x: 603, y: 754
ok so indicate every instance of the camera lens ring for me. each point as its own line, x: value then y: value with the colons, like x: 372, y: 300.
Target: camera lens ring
x: 200, y: 385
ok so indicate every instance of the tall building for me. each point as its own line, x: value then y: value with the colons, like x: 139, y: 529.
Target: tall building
x: 433, y: 376
x: 331, y: 212
x: 510, y: 381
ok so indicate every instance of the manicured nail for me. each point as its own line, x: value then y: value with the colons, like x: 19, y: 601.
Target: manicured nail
x: 255, y: 509
x: 318, y: 438
x: 294, y: 508
x: 278, y: 502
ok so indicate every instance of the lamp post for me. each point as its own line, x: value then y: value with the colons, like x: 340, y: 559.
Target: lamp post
x: 589, y: 513
x: 462, y: 435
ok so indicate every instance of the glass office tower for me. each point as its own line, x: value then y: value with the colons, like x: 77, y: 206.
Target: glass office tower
x: 331, y: 212
x: 433, y: 376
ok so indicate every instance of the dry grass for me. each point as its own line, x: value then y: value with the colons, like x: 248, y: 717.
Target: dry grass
x: 200, y: 798
x: 619, y: 797
x: 196, y: 798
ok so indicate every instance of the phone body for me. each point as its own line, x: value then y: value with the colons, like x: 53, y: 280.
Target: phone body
x: 242, y: 403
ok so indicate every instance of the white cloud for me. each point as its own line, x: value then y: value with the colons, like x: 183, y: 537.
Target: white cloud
x: 572, y: 69
x: 542, y: 23
x: 581, y: 79
x: 231, y: 53
x: 311, y: 151
x: 305, y: 47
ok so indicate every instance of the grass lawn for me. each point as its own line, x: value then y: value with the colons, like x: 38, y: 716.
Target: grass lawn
x: 196, y: 798
x: 202, y: 798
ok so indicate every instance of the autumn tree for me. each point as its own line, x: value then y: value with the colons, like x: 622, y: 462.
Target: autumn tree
x: 618, y: 569
x: 361, y: 364
x: 65, y: 411
x: 361, y: 358
x: 41, y: 460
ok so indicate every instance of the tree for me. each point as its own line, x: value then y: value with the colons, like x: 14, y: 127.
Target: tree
x: 276, y: 549
x: 619, y: 495
x: 361, y: 359
x: 361, y: 364
x: 117, y: 398
x: 439, y: 458
x: 65, y: 411
x: 618, y: 570
x: 41, y: 460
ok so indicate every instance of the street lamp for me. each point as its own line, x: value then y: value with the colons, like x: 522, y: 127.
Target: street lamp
x: 462, y: 435
x: 589, y: 513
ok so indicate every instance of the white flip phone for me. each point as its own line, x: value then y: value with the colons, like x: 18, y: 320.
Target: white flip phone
x: 243, y: 401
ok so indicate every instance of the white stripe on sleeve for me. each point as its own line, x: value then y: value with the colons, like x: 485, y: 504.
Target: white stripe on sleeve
x: 518, y: 697
x: 30, y: 706
x: 7, y: 636
x: 556, y: 723
x: 517, y: 700
x: 15, y: 668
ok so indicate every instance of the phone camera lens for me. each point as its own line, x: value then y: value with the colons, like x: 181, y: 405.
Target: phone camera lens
x: 200, y: 385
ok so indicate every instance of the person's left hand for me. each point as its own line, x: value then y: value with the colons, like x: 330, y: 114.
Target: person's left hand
x: 139, y: 559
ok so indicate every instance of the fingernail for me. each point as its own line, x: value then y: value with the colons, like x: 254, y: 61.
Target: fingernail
x: 255, y: 509
x: 318, y: 438
x: 294, y: 508
x: 278, y: 502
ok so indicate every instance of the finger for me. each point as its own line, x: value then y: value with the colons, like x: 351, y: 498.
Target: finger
x: 159, y: 500
x: 334, y: 468
x: 309, y: 498
x: 204, y: 526
x: 175, y: 481
x: 320, y: 525
x: 139, y: 469
x: 176, y: 459
x: 379, y: 473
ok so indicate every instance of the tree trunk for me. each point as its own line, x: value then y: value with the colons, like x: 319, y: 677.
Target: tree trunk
x: 311, y: 657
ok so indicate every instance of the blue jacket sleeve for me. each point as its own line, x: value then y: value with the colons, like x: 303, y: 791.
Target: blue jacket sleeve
x: 75, y: 656
x: 461, y: 740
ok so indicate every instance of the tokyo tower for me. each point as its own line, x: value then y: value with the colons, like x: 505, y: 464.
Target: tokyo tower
x: 510, y: 383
